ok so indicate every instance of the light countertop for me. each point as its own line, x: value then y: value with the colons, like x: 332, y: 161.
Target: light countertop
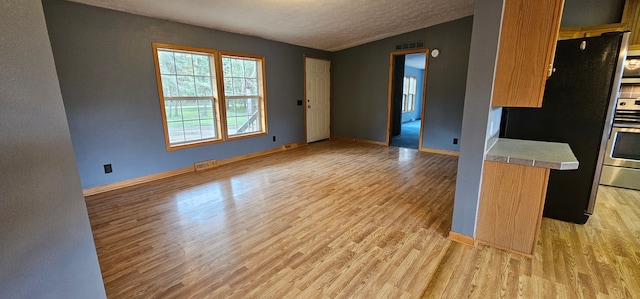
x: 533, y: 153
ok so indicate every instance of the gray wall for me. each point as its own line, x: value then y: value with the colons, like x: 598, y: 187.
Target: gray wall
x: 478, y: 114
x: 105, y: 65
x: 419, y: 74
x: 46, y: 246
x: 584, y: 13
x: 360, y: 77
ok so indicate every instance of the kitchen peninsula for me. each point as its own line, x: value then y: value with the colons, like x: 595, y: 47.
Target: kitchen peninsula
x: 514, y: 185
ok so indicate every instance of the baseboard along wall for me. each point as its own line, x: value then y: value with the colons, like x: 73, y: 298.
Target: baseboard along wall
x: 175, y: 172
x: 440, y: 151
x: 460, y: 238
x: 356, y: 140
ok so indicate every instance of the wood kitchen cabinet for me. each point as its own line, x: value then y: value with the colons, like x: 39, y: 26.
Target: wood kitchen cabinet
x: 526, y: 49
x: 631, y: 20
x: 514, y: 186
x: 578, y: 32
x: 512, y: 200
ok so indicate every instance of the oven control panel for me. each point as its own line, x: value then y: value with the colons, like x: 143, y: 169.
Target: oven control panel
x: 628, y: 104
x: 627, y: 113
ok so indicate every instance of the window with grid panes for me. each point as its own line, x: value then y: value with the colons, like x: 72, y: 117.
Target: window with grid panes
x: 409, y: 94
x: 244, y: 100
x: 188, y: 95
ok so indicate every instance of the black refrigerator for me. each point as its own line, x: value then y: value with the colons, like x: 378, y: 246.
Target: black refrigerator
x: 577, y: 109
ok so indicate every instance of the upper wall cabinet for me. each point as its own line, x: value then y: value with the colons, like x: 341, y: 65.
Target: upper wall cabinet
x: 527, y: 46
x: 578, y: 32
x: 631, y: 19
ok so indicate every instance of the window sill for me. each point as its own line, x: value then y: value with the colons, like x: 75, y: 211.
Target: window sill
x: 248, y: 135
x: 171, y: 148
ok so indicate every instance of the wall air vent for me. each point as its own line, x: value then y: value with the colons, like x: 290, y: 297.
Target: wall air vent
x: 289, y: 146
x: 204, y: 165
x: 410, y: 45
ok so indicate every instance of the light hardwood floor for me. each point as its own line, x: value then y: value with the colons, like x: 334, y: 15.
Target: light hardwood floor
x: 336, y: 220
x: 600, y: 259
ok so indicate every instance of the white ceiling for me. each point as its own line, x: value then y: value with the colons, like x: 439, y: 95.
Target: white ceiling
x: 329, y: 25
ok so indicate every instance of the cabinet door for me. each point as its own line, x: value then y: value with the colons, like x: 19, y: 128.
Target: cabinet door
x: 527, y: 45
x: 631, y: 18
x: 577, y: 32
x: 511, y: 203
x: 599, y: 30
x: 570, y: 33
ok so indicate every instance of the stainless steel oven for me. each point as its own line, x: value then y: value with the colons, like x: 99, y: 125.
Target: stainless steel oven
x: 621, y: 167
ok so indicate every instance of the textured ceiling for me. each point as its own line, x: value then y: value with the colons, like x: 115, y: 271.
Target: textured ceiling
x: 329, y: 25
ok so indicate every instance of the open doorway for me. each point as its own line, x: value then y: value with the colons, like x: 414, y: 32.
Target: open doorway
x: 406, y: 98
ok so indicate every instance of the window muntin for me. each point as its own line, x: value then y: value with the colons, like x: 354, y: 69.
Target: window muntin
x: 409, y: 94
x: 188, y: 92
x: 190, y: 81
x: 244, y: 100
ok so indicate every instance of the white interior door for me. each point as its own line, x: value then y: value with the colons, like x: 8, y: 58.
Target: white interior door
x: 317, y: 91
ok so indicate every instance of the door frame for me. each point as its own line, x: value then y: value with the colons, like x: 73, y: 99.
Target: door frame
x: 392, y: 56
x: 304, y: 103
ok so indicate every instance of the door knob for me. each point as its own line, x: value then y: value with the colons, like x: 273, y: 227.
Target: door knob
x: 309, y: 106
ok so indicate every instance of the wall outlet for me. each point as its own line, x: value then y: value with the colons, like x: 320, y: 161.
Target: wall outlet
x: 299, y: 102
x: 455, y: 140
x: 107, y: 168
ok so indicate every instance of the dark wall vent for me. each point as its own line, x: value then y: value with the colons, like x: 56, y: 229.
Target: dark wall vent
x: 410, y: 45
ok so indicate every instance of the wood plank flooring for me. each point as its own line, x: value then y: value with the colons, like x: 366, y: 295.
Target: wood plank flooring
x: 337, y: 220
x: 329, y: 220
x: 600, y: 259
